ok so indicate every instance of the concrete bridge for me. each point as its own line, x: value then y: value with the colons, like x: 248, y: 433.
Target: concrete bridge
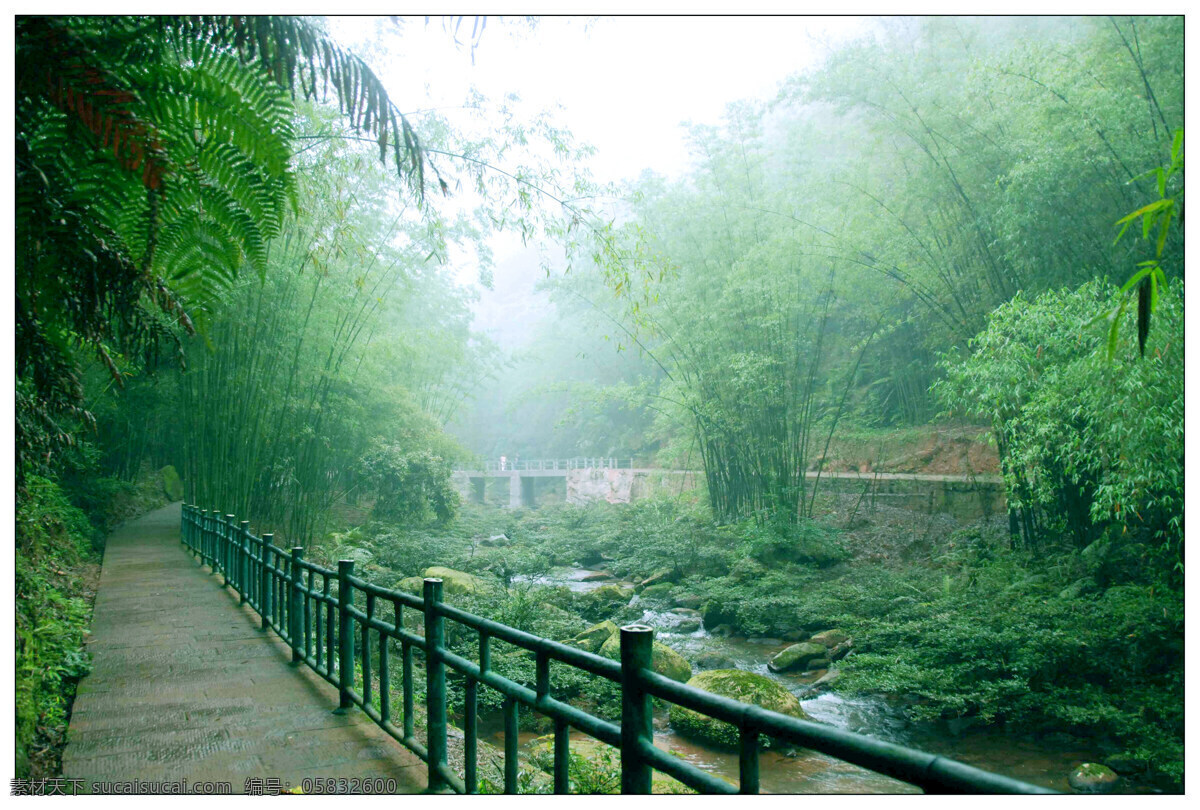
x: 588, y: 479
x: 617, y: 480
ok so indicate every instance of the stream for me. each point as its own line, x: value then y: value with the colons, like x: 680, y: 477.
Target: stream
x: 1032, y: 760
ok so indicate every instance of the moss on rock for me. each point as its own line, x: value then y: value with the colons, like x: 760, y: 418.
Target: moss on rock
x: 661, y: 590
x: 665, y: 661
x: 611, y: 594
x: 798, y: 656
x: 747, y: 687
x: 456, y: 581
x: 593, y: 638
x: 413, y: 585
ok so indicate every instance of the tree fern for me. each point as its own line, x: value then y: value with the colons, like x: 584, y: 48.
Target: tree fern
x: 154, y: 167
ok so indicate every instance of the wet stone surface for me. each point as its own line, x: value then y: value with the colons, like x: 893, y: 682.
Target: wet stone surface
x: 184, y: 686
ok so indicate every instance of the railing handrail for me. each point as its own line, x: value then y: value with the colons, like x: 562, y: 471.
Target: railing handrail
x: 516, y: 464
x: 283, y: 588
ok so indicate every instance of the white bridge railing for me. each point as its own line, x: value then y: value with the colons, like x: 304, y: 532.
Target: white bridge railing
x: 517, y: 464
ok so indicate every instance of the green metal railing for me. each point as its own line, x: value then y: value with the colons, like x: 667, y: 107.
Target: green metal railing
x: 316, y: 611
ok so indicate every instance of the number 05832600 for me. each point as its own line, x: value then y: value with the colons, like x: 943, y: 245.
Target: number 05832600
x: 331, y: 785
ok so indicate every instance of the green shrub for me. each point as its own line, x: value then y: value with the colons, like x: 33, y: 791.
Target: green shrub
x: 53, y: 539
x: 1086, y: 444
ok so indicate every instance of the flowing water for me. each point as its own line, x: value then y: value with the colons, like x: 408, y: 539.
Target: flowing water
x: 804, y: 771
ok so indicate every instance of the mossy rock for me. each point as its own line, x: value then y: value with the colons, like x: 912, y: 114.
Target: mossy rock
x: 171, y: 483
x: 454, y: 582
x: 1091, y: 777
x: 663, y: 576
x: 747, y: 687
x: 594, y: 637
x: 665, y: 660
x: 660, y: 591
x: 714, y: 660
x: 798, y: 657
x: 830, y: 638
x: 413, y: 585
x: 612, y: 594
x: 715, y: 613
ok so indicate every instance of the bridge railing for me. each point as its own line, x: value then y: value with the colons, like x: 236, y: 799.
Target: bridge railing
x: 349, y: 643
x: 546, y: 464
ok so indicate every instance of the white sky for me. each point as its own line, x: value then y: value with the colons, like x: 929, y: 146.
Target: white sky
x: 625, y: 85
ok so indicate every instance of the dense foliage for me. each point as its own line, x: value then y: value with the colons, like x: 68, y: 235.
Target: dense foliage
x: 1091, y: 448
x: 153, y: 161
x: 217, y: 273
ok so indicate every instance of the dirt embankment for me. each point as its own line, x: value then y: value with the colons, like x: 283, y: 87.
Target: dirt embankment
x: 929, y: 450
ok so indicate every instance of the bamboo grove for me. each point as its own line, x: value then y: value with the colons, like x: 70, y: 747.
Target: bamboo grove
x: 830, y: 246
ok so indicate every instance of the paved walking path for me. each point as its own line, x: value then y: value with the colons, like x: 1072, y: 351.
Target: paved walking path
x: 184, y: 686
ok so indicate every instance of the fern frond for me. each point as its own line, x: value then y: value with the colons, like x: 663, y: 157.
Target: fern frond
x: 291, y: 52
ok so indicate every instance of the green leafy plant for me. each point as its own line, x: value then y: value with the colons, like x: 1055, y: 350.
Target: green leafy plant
x: 1150, y: 276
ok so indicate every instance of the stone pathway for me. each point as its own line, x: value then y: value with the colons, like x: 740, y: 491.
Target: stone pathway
x: 185, y: 686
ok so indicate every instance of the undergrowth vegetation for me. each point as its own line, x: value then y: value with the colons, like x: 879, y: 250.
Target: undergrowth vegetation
x: 59, y: 539
x: 968, y: 628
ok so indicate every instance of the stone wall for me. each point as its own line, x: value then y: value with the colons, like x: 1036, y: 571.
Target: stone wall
x: 624, y: 486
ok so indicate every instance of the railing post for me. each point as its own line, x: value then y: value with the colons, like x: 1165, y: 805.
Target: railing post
x: 243, y: 561
x: 637, y: 717
x: 345, y: 635
x: 264, y: 583
x: 226, y: 546
x: 435, y: 684
x: 203, y: 534
x: 211, y: 550
x: 296, y: 610
x: 218, y: 531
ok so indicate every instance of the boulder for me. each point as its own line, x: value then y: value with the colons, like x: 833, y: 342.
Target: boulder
x: 714, y: 660
x: 830, y: 638
x: 795, y: 635
x: 685, y: 612
x: 714, y: 614
x: 823, y: 683
x: 687, y: 600
x: 594, y: 637
x: 613, y: 594
x: 819, y: 663
x: 413, y: 585
x: 454, y: 582
x: 798, y: 656
x: 688, y: 625
x: 1091, y: 777
x: 171, y: 484
x: 660, y: 591
x: 665, y: 660
x: 721, y: 631
x: 597, y: 576
x: 663, y: 576
x: 747, y: 687
x: 495, y: 540
x: 839, y: 652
